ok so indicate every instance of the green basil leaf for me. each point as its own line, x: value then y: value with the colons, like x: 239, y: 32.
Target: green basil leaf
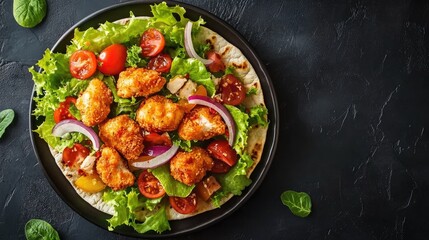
x: 37, y: 229
x: 29, y: 13
x: 299, y: 203
x: 6, y: 117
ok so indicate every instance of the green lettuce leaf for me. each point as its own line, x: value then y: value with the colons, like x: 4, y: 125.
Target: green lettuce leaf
x: 235, y: 180
x: 131, y: 207
x: 258, y: 116
x: 197, y: 72
x: 241, y: 120
x: 172, y: 186
x: 185, y: 145
x: 54, y: 71
x: 133, y: 57
x: 106, y: 34
x: 122, y: 105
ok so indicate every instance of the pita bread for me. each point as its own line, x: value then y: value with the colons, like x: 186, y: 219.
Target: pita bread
x: 231, y: 56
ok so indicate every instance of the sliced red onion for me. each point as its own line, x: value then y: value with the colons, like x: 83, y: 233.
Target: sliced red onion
x: 154, y: 151
x: 224, y: 113
x: 158, y: 160
x: 189, y: 46
x: 71, y: 125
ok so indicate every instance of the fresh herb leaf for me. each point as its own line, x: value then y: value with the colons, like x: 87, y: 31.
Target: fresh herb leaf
x: 299, y: 203
x: 29, y: 13
x: 6, y: 117
x: 37, y: 229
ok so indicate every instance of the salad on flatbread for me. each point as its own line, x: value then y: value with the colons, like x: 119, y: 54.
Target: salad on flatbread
x: 151, y: 119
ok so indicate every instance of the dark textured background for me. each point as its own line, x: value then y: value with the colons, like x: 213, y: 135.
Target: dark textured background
x: 352, y: 80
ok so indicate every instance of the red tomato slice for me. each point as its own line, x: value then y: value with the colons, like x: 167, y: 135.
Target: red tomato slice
x: 217, y: 64
x: 157, y: 139
x: 221, y: 150
x: 149, y: 185
x: 112, y: 59
x: 83, y: 64
x: 220, y: 167
x: 75, y: 155
x: 184, y: 205
x: 232, y: 90
x: 152, y: 42
x: 160, y: 63
x: 63, y: 112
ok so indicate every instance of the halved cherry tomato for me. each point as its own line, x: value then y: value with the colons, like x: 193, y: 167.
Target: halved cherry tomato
x: 82, y: 64
x: 232, y: 90
x: 187, y: 107
x: 156, y: 139
x: 63, y: 112
x: 221, y: 150
x: 160, y: 63
x: 74, y: 155
x: 112, y: 59
x: 217, y: 64
x: 152, y: 42
x: 184, y: 205
x: 220, y: 167
x: 149, y: 185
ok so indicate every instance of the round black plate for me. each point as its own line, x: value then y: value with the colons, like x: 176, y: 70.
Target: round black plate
x: 66, y: 191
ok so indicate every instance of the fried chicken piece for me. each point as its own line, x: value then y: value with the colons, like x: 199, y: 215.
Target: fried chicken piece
x: 113, y: 170
x: 139, y: 82
x: 94, y: 103
x: 201, y: 124
x: 123, y: 134
x: 159, y: 114
x: 190, y: 167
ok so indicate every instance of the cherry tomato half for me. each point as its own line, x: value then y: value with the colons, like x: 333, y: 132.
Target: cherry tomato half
x: 152, y: 42
x: 221, y: 150
x: 232, y: 90
x: 82, y: 64
x: 220, y: 167
x: 149, y: 185
x: 112, y: 59
x: 184, y: 205
x: 74, y: 155
x: 217, y: 64
x: 63, y: 112
x: 160, y: 63
x: 156, y: 139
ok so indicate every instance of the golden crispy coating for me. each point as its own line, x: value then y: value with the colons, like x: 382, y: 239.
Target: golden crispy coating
x: 201, y: 124
x: 159, y: 114
x: 123, y: 134
x: 113, y: 170
x: 94, y: 103
x: 139, y: 82
x: 190, y: 167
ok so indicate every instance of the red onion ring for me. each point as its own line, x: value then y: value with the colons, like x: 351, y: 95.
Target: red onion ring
x: 154, y: 151
x: 71, y: 125
x: 158, y: 160
x: 224, y: 113
x: 189, y: 46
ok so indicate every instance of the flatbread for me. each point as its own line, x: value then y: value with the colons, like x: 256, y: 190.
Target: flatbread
x: 231, y: 56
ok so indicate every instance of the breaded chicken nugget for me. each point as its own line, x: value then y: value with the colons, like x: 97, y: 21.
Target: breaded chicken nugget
x: 94, y: 103
x: 139, y: 82
x: 190, y: 167
x: 123, y: 134
x: 159, y: 114
x: 113, y: 170
x: 201, y: 124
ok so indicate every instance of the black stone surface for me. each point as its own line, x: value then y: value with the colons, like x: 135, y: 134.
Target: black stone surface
x: 352, y: 80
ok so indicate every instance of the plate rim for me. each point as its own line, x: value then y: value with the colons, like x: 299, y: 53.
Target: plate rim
x: 269, y: 151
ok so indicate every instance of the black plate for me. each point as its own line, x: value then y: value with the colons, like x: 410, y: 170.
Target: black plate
x: 66, y: 191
